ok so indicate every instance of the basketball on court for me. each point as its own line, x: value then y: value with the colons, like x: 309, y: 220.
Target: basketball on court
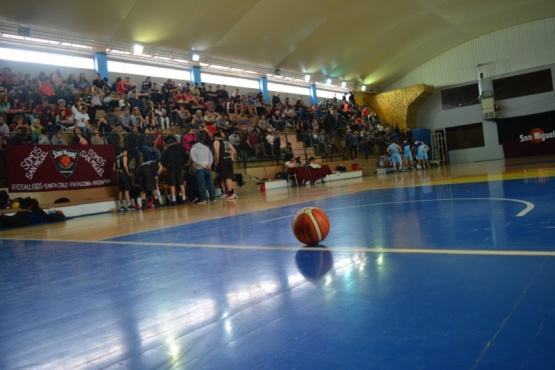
x: 311, y: 225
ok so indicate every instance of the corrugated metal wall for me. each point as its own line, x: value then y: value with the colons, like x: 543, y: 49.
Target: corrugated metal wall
x: 509, y: 50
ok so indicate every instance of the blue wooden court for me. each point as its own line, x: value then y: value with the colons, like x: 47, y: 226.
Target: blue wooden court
x: 437, y: 273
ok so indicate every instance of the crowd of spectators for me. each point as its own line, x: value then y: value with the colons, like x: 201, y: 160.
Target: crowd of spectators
x: 36, y: 110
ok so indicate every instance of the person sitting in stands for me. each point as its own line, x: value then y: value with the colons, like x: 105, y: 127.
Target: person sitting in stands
x: 78, y: 138
x: 58, y: 139
x: 107, y: 123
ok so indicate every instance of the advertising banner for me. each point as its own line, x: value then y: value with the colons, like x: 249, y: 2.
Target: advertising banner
x: 527, y: 135
x: 35, y: 168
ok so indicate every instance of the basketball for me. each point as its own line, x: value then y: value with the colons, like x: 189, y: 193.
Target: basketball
x: 311, y: 225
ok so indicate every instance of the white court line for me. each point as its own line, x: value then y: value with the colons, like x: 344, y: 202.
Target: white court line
x: 529, y: 206
x: 474, y: 252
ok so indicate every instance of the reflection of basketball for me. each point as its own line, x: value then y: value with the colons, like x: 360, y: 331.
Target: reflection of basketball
x: 311, y: 225
x: 314, y: 262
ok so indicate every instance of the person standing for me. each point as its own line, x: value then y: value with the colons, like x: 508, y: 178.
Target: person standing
x: 124, y: 180
x: 394, y: 151
x: 202, y: 160
x: 172, y: 160
x: 408, y: 162
x: 145, y: 177
x: 224, y: 157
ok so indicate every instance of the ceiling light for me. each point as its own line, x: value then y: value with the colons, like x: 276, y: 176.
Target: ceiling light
x: 137, y: 49
x: 363, y: 87
x: 343, y: 84
x: 328, y: 81
x: 195, y: 57
x: 306, y: 77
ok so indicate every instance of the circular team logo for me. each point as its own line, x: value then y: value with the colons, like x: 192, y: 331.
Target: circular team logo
x: 65, y: 160
x: 537, y: 135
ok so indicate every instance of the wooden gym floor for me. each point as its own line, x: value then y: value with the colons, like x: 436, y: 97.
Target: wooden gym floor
x: 446, y: 268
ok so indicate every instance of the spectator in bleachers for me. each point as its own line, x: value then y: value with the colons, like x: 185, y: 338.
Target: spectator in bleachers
x: 97, y: 138
x: 96, y: 103
x: 58, y: 139
x: 140, y: 121
x: 148, y: 149
x: 146, y: 86
x: 107, y: 123
x: 57, y: 78
x: 65, y: 92
x: 78, y: 137
x: 277, y: 121
x: 151, y: 121
x: 47, y: 91
x: 183, y: 117
x: 276, y: 101
x: 133, y: 143
x: 72, y: 83
x: 43, y: 138
x: 83, y: 83
x: 48, y: 118
x: 189, y: 137
x: 82, y: 121
x: 127, y: 120
x: 324, y: 145
x: 98, y: 83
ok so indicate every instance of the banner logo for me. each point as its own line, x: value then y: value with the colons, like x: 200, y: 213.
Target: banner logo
x: 65, y: 160
x: 537, y: 136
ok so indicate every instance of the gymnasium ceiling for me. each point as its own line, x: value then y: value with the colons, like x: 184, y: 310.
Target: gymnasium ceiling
x: 374, y: 42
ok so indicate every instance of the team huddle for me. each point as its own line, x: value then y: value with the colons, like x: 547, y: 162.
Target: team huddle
x: 408, y: 155
x: 185, y: 177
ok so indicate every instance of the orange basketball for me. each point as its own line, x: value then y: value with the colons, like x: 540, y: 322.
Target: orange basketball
x: 311, y: 225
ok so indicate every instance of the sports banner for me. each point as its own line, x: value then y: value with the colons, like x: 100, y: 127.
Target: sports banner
x: 34, y: 168
x: 527, y: 135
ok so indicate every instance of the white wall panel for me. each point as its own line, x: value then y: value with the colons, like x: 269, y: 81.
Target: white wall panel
x: 509, y: 50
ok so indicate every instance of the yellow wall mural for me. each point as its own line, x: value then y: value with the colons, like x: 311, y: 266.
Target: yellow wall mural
x: 398, y: 107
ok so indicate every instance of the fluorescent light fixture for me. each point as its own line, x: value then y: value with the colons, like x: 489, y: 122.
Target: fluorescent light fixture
x: 16, y: 37
x: 215, y: 66
x: 251, y: 72
x: 115, y: 51
x: 180, y: 60
x: 161, y: 58
x: 328, y: 81
x: 137, y: 49
x: 195, y: 57
x: 204, y: 64
x: 237, y: 70
x: 343, y: 84
x: 78, y: 46
x: 306, y: 77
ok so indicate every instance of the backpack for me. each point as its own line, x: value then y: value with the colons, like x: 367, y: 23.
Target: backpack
x: 4, y: 198
x: 238, y: 178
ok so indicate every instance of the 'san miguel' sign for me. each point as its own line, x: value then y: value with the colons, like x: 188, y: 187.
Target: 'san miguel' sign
x: 33, y: 168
